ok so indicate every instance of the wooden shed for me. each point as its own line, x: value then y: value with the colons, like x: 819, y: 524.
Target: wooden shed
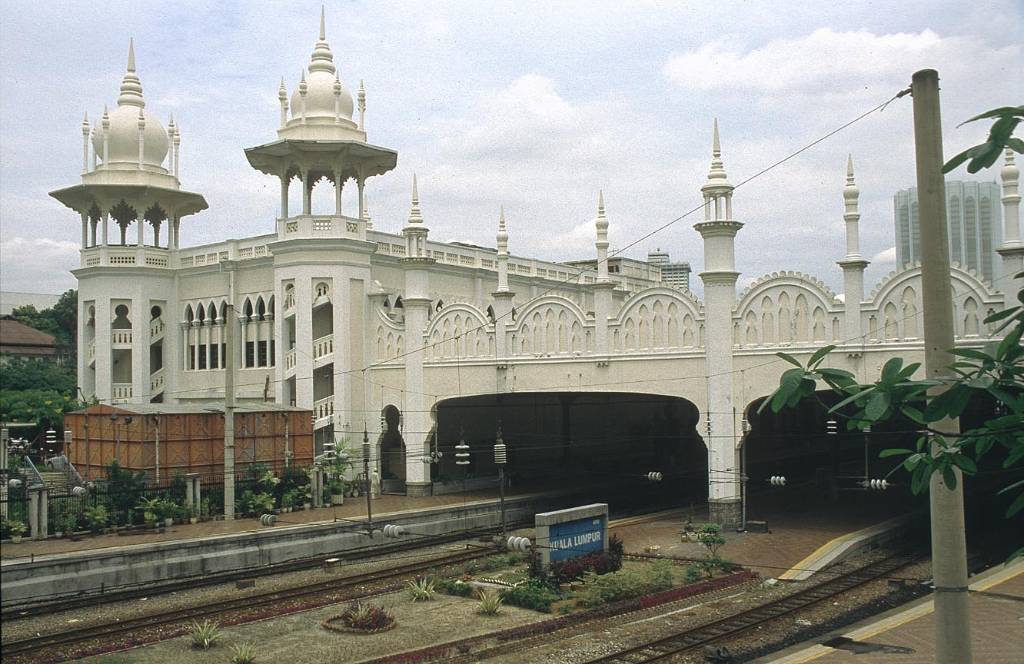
x: 165, y: 439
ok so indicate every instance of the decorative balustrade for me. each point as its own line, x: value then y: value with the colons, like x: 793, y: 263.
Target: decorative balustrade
x: 156, y: 381
x: 320, y: 226
x: 323, y: 346
x: 120, y: 392
x: 156, y: 328
x: 289, y: 359
x: 126, y: 255
x: 324, y: 408
x: 240, y: 250
x: 121, y: 338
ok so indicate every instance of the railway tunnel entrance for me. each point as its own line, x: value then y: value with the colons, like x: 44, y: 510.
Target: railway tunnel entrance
x: 816, y: 450
x: 573, y: 439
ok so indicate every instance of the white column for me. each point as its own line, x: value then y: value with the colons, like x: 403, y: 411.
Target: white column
x: 307, y: 194
x: 339, y: 184
x: 85, y: 230
x: 103, y: 352
x: 303, y: 341
x: 1011, y: 250
x: 141, y: 229
x: 176, y: 228
x: 106, y: 228
x: 140, y: 350
x: 360, y: 184
x: 284, y: 196
x: 341, y: 328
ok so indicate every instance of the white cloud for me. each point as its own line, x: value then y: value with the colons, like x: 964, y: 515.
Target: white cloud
x: 830, y: 62
x: 886, y: 257
x: 37, y: 265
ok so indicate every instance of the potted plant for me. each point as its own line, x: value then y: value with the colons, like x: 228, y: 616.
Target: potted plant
x: 70, y: 525
x: 336, y: 487
x: 150, y: 508
x: 287, y: 501
x: 16, y: 529
x: 204, y: 509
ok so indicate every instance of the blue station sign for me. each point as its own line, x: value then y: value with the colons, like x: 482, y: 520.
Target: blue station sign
x: 576, y: 538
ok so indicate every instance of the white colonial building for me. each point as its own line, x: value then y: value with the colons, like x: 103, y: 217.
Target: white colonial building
x: 355, y: 322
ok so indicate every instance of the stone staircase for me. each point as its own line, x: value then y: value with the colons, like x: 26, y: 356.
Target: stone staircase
x: 56, y: 481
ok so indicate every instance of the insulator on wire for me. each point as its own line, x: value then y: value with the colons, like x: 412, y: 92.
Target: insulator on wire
x: 519, y: 543
x: 500, y: 452
x: 462, y: 454
x: 79, y: 491
x: 832, y: 427
x: 777, y: 480
x: 877, y: 485
x: 393, y: 531
x: 654, y: 476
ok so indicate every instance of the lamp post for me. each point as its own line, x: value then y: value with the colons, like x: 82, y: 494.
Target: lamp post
x: 366, y: 481
x: 500, y: 458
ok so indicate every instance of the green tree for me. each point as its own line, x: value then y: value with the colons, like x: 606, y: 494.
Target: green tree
x: 60, y: 320
x: 38, y: 373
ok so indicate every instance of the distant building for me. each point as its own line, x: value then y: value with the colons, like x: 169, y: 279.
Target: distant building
x: 673, y: 274
x: 10, y: 300
x: 20, y: 340
x: 975, y: 227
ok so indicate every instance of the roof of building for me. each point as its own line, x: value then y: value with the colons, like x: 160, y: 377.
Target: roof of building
x: 16, y: 338
x: 186, y: 409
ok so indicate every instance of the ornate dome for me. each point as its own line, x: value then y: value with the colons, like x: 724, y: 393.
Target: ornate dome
x: 321, y: 84
x: 122, y: 125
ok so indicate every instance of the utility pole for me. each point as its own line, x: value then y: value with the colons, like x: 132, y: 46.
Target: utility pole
x: 949, y: 545
x: 229, y: 410
x: 368, y: 489
x: 500, y: 458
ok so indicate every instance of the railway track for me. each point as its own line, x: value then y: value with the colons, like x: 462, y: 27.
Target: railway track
x: 13, y: 612
x: 110, y: 631
x: 666, y: 648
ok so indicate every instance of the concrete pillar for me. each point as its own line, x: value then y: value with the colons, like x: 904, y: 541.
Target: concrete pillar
x: 307, y: 192
x: 1012, y: 249
x: 33, y: 515
x: 284, y: 196
x: 140, y: 350
x: 602, y: 310
x: 304, y: 341
x: 342, y: 328
x: 103, y: 352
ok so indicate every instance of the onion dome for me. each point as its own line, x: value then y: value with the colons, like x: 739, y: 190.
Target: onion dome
x: 119, y: 130
x: 325, y: 94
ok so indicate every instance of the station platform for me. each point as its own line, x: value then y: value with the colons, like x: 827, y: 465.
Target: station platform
x: 353, y: 508
x: 907, y: 635
x: 802, y: 537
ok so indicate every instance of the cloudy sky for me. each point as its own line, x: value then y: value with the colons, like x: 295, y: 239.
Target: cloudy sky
x: 534, y: 106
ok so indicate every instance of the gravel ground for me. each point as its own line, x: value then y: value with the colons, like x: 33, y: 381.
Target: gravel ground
x: 104, y: 613
x: 299, y: 638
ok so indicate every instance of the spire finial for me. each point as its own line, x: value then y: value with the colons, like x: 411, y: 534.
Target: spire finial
x: 322, y: 59
x: 501, y: 219
x: 600, y: 202
x: 849, y: 169
x: 717, y: 173
x: 415, y: 217
x: 716, y: 143
x: 131, y: 86
x: 323, y: 31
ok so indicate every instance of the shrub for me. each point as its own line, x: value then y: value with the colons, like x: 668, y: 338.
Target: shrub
x: 563, y: 571
x: 204, y: 635
x: 421, y: 590
x: 500, y: 561
x: 366, y: 617
x: 243, y: 653
x: 692, y: 573
x: 534, y: 594
x: 626, y: 584
x: 96, y: 517
x: 490, y: 602
x: 454, y: 587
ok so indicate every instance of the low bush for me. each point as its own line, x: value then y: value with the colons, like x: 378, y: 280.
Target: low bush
x: 367, y: 617
x: 454, y: 587
x: 692, y: 573
x: 534, y: 594
x: 490, y: 602
x: 564, y: 571
x: 421, y: 590
x: 243, y: 653
x: 626, y: 584
x: 204, y: 635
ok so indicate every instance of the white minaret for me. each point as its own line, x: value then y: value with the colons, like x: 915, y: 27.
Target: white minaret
x: 503, y: 296
x: 282, y: 98
x: 416, y: 303
x: 603, y: 287
x: 718, y: 230
x: 1012, y: 249
x: 853, y: 264
x: 362, y: 106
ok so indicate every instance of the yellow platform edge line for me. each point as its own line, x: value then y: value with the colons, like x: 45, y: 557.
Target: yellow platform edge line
x: 809, y: 561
